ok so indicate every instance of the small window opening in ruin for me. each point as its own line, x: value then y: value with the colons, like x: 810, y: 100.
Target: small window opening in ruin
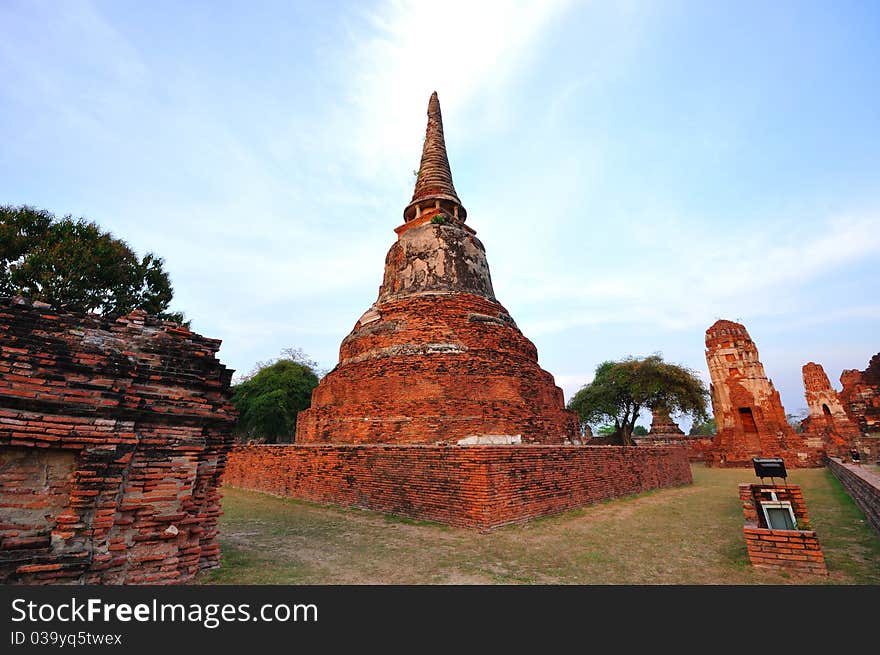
x: 748, y: 419
x: 825, y: 409
x: 778, y: 514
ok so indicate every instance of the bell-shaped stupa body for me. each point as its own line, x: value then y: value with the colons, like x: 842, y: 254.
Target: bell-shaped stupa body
x: 436, y: 359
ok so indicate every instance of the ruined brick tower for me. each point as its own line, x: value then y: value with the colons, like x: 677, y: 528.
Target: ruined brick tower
x: 828, y: 420
x: 748, y: 411
x: 436, y: 359
x: 861, y: 397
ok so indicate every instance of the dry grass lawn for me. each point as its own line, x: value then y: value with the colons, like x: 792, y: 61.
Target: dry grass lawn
x: 689, y: 535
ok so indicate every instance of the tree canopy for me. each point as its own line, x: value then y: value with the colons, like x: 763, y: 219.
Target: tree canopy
x: 620, y: 390
x: 270, y: 397
x: 75, y: 266
x: 705, y: 428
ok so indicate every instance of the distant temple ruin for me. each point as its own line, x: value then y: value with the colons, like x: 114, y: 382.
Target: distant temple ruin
x: 666, y: 432
x: 748, y: 411
x: 828, y: 421
x: 436, y: 359
x: 860, y: 397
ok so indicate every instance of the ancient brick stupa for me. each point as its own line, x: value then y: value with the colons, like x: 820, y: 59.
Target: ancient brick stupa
x: 666, y: 432
x: 748, y: 411
x: 828, y: 420
x: 438, y: 409
x: 662, y: 425
x: 436, y: 359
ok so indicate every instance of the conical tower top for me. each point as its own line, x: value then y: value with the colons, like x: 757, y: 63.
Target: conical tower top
x: 434, y: 189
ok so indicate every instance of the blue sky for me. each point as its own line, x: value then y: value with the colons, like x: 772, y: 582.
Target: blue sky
x: 636, y: 170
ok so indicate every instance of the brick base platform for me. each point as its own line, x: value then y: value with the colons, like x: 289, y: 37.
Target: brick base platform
x: 480, y: 487
x: 796, y: 550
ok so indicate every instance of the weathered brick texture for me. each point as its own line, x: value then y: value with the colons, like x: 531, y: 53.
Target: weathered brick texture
x: 748, y: 411
x: 862, y: 485
x: 113, y: 439
x: 696, y: 447
x: 861, y: 401
x: 436, y: 369
x: 828, y: 421
x: 796, y: 550
x: 480, y: 487
x: 662, y: 424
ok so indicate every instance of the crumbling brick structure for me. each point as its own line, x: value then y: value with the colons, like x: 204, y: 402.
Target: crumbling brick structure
x: 828, y: 421
x: 795, y: 549
x: 748, y: 411
x: 113, y: 440
x: 436, y: 359
x: 860, y: 397
x: 662, y: 425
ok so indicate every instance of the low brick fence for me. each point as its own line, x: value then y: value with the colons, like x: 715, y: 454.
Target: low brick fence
x: 480, y: 487
x: 862, y: 485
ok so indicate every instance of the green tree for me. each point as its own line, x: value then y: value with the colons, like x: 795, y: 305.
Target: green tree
x: 704, y: 428
x: 270, y: 397
x: 640, y: 431
x: 620, y: 390
x: 75, y: 266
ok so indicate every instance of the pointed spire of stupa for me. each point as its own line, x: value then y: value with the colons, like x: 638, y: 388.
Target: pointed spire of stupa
x: 434, y: 187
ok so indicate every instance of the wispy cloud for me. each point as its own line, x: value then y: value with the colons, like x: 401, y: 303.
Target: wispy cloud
x: 748, y: 271
x: 405, y: 50
x: 270, y: 179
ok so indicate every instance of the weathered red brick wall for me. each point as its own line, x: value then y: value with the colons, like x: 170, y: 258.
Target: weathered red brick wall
x: 796, y: 550
x: 468, y: 486
x: 696, y: 447
x: 113, y: 439
x: 862, y: 485
x: 748, y: 411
